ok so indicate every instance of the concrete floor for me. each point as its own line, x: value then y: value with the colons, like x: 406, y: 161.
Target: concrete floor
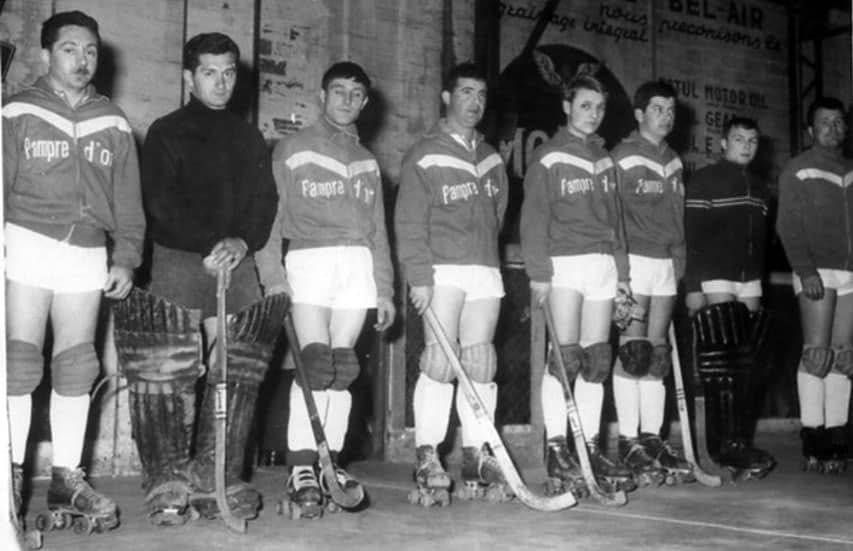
x: 787, y: 510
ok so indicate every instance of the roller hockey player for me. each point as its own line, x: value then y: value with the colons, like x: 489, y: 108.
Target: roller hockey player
x: 649, y: 180
x: 811, y: 203
x: 452, y: 198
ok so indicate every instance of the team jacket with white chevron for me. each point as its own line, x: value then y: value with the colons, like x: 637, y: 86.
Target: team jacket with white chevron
x: 72, y: 173
x: 450, y: 206
x: 815, y: 210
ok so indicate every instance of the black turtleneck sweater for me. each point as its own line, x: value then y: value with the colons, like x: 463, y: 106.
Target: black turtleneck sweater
x: 206, y: 175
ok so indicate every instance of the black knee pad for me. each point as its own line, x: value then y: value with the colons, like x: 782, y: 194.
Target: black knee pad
x: 480, y: 362
x: 74, y: 370
x: 319, y: 365
x: 24, y: 367
x: 636, y: 357
x: 817, y: 360
x: 572, y: 355
x: 346, y: 368
x: 661, y: 363
x: 597, y: 360
x: 843, y: 360
x: 435, y: 365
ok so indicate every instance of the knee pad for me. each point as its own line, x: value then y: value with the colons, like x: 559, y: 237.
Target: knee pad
x: 572, y: 355
x: 435, y: 364
x: 24, y: 367
x: 597, y: 360
x: 661, y: 362
x: 319, y: 365
x: 636, y: 357
x: 843, y: 361
x: 75, y: 369
x: 816, y: 360
x: 480, y: 362
x: 347, y: 368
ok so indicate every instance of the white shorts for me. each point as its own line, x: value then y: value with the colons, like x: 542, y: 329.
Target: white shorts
x: 40, y: 261
x: 334, y: 277
x: 478, y: 282
x: 652, y: 276
x: 592, y: 275
x: 740, y: 289
x: 840, y: 280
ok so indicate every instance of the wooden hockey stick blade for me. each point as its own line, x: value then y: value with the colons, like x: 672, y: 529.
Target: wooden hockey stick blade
x: 346, y: 498
x: 703, y: 477
x: 221, y: 407
x: 616, y: 498
x: 488, y: 430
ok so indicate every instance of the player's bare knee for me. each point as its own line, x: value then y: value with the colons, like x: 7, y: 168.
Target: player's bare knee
x: 817, y: 360
x: 24, y: 367
x: 572, y: 356
x: 74, y: 370
x: 636, y: 357
x: 480, y: 362
x: 435, y: 364
x: 347, y: 368
x: 319, y: 365
x: 597, y: 361
x: 843, y: 360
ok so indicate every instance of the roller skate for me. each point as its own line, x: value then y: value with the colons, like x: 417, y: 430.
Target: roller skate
x: 676, y: 469
x: 433, y: 482
x: 304, y: 496
x: 482, y: 477
x: 645, y: 469
x: 744, y: 461
x: 564, y: 472
x: 813, y: 449
x: 72, y: 503
x: 836, y: 457
x: 167, y: 500
x: 611, y: 475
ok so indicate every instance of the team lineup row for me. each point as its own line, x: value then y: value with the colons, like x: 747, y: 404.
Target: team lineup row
x: 300, y: 237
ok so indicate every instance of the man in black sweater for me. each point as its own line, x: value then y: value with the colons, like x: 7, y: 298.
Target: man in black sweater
x: 210, y: 199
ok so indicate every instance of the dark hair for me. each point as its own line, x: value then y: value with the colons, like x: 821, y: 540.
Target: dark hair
x: 345, y: 70
x: 463, y: 70
x: 582, y: 82
x: 50, y: 28
x: 648, y: 90
x: 208, y: 43
x: 739, y: 122
x: 824, y: 102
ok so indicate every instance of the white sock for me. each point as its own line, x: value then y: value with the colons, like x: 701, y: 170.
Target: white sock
x: 431, y: 404
x: 337, y: 419
x: 626, y: 395
x: 810, y: 391
x: 20, y: 418
x: 837, y: 399
x: 488, y: 393
x: 300, y: 436
x: 553, y: 406
x: 652, y: 403
x: 589, y: 397
x: 68, y: 417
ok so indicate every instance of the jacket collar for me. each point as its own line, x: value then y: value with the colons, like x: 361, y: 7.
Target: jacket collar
x: 658, y: 149
x: 442, y: 131
x: 91, y: 95
x: 336, y: 133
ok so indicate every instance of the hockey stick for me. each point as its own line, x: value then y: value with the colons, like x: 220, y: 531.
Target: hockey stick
x: 347, y: 498
x: 615, y: 498
x: 220, y: 411
x: 487, y: 429
x: 704, y: 477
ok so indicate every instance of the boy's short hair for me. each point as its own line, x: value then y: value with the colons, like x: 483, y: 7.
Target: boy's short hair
x: 50, y: 27
x: 463, y: 70
x: 208, y: 43
x: 746, y: 123
x: 824, y: 102
x: 648, y: 90
x: 345, y: 70
x: 582, y: 82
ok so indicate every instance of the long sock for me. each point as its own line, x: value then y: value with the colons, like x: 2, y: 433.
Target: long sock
x: 590, y: 397
x: 337, y: 419
x: 68, y: 416
x: 431, y: 403
x: 626, y: 395
x: 488, y: 393
x: 810, y: 391
x: 553, y: 406
x: 837, y: 399
x: 299, y: 433
x: 652, y: 402
x: 20, y: 418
